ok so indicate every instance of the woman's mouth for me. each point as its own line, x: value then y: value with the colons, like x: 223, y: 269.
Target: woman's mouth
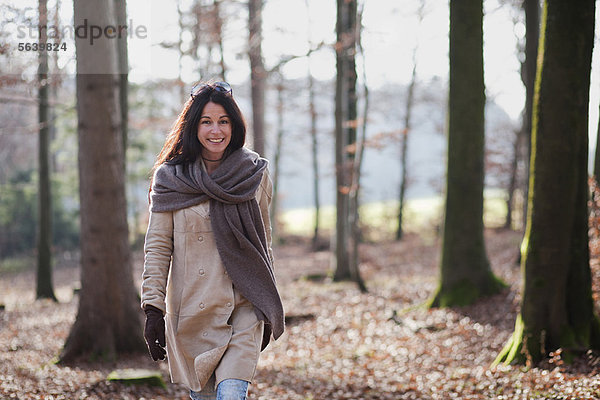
x: 216, y: 141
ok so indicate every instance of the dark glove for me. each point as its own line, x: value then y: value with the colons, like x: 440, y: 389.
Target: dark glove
x: 154, y: 332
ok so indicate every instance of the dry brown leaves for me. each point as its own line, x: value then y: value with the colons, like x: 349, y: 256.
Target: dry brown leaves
x: 340, y: 343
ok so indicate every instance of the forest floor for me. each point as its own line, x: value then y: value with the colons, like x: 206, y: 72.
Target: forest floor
x: 339, y: 343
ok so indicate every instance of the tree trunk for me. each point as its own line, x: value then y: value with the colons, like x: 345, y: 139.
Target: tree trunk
x: 597, y: 157
x: 315, y: 156
x: 313, y: 135
x: 357, y: 170
x: 200, y: 36
x: 257, y: 74
x: 183, y: 91
x: 407, y: 128
x: 555, y: 249
x: 277, y: 161
x: 465, y: 270
x: 219, y: 33
x: 44, y: 288
x: 121, y: 16
x: 512, y: 183
x: 345, y: 132
x: 404, y: 146
x: 532, y: 33
x: 109, y: 318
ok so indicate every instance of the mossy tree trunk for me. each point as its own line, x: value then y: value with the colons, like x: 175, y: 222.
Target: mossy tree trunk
x: 109, y: 317
x: 465, y: 270
x: 557, y: 306
x: 528, y: 73
x: 522, y: 144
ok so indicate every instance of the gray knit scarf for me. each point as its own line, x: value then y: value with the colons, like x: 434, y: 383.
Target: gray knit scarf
x: 236, y: 222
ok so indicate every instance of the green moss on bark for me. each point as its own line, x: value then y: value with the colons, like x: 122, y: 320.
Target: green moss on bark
x: 466, y: 292
x: 511, y: 353
x: 465, y: 270
x: 137, y: 377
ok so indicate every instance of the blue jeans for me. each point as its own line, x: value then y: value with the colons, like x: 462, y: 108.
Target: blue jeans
x: 228, y: 389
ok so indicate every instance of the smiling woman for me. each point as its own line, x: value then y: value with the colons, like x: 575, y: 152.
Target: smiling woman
x: 214, y: 134
x: 208, y: 287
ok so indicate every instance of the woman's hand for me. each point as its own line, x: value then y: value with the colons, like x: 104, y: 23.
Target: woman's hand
x: 154, y: 332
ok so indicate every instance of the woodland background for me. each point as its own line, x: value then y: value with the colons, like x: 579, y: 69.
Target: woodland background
x: 403, y: 267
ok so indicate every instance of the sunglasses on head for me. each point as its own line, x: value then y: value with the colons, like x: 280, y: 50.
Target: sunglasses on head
x: 221, y: 87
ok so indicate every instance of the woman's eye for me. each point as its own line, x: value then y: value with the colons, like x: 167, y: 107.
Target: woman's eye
x: 224, y: 121
x: 205, y: 122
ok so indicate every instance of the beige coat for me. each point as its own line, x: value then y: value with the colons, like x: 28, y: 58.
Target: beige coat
x: 211, y: 330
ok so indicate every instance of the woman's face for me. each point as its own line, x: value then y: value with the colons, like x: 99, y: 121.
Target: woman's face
x: 214, y: 131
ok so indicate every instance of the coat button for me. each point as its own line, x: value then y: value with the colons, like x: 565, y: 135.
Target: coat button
x: 200, y: 238
x: 202, y: 306
x: 201, y: 272
x: 204, y: 334
x: 228, y: 304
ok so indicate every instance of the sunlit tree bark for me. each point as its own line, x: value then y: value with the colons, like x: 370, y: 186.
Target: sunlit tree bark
x: 532, y: 34
x: 522, y: 144
x: 512, y: 183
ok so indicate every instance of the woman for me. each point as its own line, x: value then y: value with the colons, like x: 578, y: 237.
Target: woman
x: 208, y: 288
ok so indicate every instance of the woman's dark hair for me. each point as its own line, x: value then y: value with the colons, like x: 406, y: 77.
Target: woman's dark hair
x: 182, y: 145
